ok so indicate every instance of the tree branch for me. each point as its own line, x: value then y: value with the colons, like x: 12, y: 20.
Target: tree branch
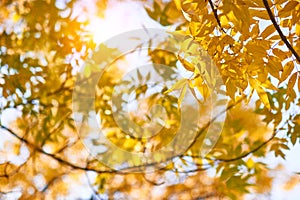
x: 57, y: 158
x: 249, y: 152
x: 282, y: 36
x: 214, y: 119
x: 216, y: 15
x: 129, y: 170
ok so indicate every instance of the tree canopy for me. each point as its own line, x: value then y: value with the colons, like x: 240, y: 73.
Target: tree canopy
x: 239, y: 63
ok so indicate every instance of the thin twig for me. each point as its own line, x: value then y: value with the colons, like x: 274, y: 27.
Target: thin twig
x: 282, y: 36
x: 57, y: 158
x: 216, y: 15
x: 252, y: 150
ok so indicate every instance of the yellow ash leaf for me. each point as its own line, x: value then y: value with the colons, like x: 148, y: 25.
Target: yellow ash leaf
x: 129, y: 143
x: 263, y: 97
x: 274, y: 66
x: 263, y: 183
x: 255, y: 31
x: 178, y: 85
x: 262, y: 14
x: 288, y: 8
x: 250, y: 163
x: 203, y: 89
x: 255, y: 84
x: 187, y: 65
x: 231, y: 17
x: 279, y: 53
x: 258, y: 3
x: 268, y: 31
x: 224, y: 21
x: 254, y: 48
x: 299, y: 85
x: 279, y: 1
x: 297, y: 29
x: 197, y: 80
x: 178, y: 4
x: 201, y: 86
x: 297, y: 120
x: 181, y: 96
x: 16, y: 149
x: 16, y: 17
x: 291, y: 83
x: 268, y: 85
x: 292, y: 182
x: 287, y: 70
x: 195, y: 28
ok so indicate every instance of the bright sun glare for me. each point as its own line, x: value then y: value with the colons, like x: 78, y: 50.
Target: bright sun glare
x: 100, y: 30
x: 117, y: 19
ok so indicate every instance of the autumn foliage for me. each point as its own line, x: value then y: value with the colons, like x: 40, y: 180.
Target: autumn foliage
x: 254, y: 46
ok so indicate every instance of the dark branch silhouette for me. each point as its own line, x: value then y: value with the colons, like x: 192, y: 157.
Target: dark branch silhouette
x: 216, y: 15
x: 282, y: 36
